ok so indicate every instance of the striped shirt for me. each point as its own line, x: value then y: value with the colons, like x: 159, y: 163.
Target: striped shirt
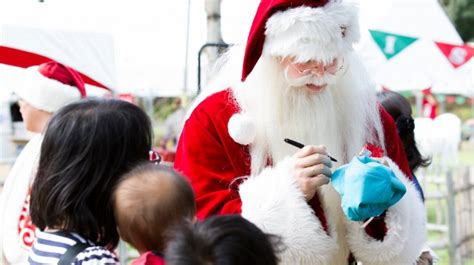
x: 50, y: 246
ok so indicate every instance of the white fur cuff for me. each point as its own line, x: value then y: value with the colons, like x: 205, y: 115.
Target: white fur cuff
x: 273, y: 201
x: 406, y: 230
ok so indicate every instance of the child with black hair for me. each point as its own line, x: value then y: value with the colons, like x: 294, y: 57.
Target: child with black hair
x: 148, y: 201
x: 222, y: 240
x: 400, y: 109
x: 87, y: 146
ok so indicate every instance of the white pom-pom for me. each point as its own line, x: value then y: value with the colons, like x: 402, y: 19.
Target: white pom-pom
x: 242, y: 128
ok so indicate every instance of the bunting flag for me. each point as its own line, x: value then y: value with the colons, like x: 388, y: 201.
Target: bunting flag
x: 457, y: 55
x: 441, y: 98
x: 450, y: 99
x: 460, y: 100
x: 406, y: 93
x: 391, y: 44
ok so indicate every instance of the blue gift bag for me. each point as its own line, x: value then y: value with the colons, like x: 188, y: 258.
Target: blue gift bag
x: 367, y: 188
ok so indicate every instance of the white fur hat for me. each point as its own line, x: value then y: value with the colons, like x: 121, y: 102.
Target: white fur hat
x: 303, y: 29
x: 50, y: 86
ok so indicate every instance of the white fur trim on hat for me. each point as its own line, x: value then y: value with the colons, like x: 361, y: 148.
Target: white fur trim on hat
x: 242, y: 128
x: 307, y: 33
x: 44, y: 93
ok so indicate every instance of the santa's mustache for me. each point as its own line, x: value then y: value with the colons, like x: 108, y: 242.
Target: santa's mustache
x: 310, y: 79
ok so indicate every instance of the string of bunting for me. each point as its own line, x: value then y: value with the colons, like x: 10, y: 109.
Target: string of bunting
x: 393, y: 44
x: 459, y: 100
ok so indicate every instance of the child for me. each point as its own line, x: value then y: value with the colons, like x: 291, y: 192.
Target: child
x: 149, y: 200
x: 222, y: 240
x: 400, y: 109
x: 87, y: 146
x: 43, y: 90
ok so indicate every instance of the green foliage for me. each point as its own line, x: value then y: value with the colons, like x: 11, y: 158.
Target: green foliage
x: 163, y: 107
x: 461, y: 12
x: 464, y: 19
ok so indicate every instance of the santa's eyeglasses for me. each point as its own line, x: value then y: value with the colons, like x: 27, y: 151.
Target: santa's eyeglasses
x: 154, y: 157
x: 315, y: 68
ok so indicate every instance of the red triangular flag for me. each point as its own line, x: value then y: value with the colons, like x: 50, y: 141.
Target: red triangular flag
x: 457, y: 55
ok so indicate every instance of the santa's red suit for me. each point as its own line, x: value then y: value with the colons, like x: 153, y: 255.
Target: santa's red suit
x: 216, y: 150
x: 214, y: 163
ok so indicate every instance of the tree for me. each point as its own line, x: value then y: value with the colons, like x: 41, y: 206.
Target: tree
x: 461, y: 12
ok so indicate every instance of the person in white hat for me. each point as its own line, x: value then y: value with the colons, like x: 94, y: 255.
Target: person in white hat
x: 44, y: 89
x: 300, y: 80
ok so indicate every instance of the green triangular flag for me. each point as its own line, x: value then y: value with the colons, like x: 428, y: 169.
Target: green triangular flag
x: 406, y: 93
x: 391, y: 44
x: 460, y: 100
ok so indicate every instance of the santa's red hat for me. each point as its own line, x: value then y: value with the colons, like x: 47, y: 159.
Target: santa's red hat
x: 50, y: 86
x: 304, y: 29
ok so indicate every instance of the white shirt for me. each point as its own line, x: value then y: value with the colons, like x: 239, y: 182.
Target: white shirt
x: 12, y: 198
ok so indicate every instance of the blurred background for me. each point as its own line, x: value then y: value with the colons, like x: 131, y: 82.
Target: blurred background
x: 158, y: 55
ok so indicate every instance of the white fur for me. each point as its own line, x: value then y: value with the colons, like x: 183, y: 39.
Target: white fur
x: 242, y: 128
x: 273, y: 201
x: 12, y: 199
x: 343, y: 117
x: 406, y: 224
x: 44, y: 93
x: 307, y: 33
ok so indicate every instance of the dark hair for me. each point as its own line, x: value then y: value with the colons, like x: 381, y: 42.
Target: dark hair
x: 400, y: 109
x: 149, y: 200
x: 224, y: 239
x: 87, y: 146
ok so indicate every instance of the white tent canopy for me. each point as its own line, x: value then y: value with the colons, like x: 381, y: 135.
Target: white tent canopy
x: 422, y: 64
x: 95, y: 58
x: 149, y: 36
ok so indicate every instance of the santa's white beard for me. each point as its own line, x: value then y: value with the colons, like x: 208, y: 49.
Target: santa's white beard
x: 342, y: 117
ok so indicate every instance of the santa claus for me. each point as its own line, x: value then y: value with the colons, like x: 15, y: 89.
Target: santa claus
x: 300, y: 80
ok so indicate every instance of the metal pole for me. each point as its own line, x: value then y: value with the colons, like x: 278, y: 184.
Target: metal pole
x: 419, y: 99
x: 185, y: 77
x: 451, y: 200
x: 218, y: 45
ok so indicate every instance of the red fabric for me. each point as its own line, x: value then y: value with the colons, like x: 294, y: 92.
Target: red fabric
x: 63, y: 74
x: 457, y: 55
x: 210, y: 158
x: 149, y: 258
x: 24, y: 59
x: 429, y: 108
x: 375, y: 150
x: 256, y: 37
x: 394, y: 144
x: 212, y: 161
x: 26, y: 228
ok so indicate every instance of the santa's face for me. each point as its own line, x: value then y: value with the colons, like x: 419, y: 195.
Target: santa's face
x: 312, y: 75
x: 338, y: 113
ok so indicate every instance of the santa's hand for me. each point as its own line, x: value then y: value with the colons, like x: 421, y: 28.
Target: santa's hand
x: 311, y: 169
